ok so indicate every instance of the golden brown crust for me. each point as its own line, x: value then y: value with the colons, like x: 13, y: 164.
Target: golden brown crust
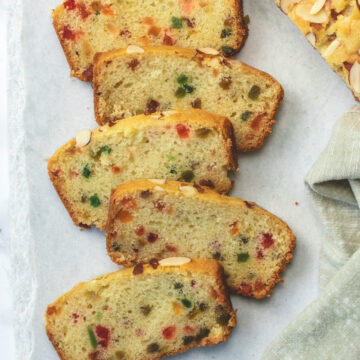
x: 208, y: 195
x: 196, y: 116
x: 248, y: 145
x: 201, y: 266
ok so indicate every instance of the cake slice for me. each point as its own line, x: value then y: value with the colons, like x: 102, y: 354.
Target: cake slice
x: 85, y: 27
x: 148, y: 222
x: 194, y: 146
x: 146, y: 79
x: 147, y: 312
x: 332, y: 28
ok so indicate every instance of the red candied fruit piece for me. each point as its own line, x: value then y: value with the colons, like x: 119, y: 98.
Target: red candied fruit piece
x: 75, y: 317
x: 67, y: 33
x: 168, y: 40
x: 183, y: 131
x: 159, y: 205
x: 267, y: 240
x: 140, y: 231
x: 104, y: 334
x: 259, y: 254
x: 154, y: 263
x: 193, y: 283
x: 138, y: 269
x: 171, y: 248
x: 169, y: 332
x: 84, y: 13
x: 245, y: 289
x: 128, y: 202
x: 88, y: 73
x: 189, y: 330
x: 70, y: 4
x: 152, y: 237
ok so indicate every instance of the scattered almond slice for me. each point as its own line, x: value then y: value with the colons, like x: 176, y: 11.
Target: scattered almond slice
x: 187, y: 190
x: 156, y: 116
x: 354, y: 77
x: 169, y: 112
x: 285, y: 5
x: 304, y: 11
x: 134, y: 49
x: 174, y: 261
x: 158, y: 181
x: 318, y: 5
x: 331, y: 48
x: 83, y: 137
x: 159, y: 188
x: 208, y: 51
x: 312, y: 38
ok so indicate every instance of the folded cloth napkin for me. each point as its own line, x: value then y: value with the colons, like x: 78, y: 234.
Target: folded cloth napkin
x: 329, y: 328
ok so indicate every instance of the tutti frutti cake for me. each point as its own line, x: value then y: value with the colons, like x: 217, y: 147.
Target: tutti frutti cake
x: 148, y: 222
x: 191, y: 146
x: 148, y: 79
x: 86, y: 27
x: 333, y: 28
x: 146, y: 312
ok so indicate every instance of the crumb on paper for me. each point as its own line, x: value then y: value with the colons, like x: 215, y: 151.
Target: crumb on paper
x: 296, y: 203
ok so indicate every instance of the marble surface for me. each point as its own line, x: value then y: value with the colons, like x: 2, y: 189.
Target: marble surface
x: 56, y: 255
x: 6, y: 328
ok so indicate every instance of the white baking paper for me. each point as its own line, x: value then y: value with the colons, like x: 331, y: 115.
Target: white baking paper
x: 47, y: 108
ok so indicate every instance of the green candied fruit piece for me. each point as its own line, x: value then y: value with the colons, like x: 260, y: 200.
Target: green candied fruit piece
x: 120, y: 355
x: 223, y: 319
x: 178, y: 285
x: 176, y: 22
x: 202, y: 132
x: 187, y: 303
x: 145, y: 309
x: 152, y: 348
x: 105, y: 150
x: 246, y: 20
x: 86, y: 173
x: 189, y: 89
x: 228, y: 50
x: 180, y: 92
x: 187, y: 175
x: 95, y: 201
x: 225, y: 33
x: 203, y: 333
x: 187, y: 340
x: 98, y: 316
x: 92, y: 337
x: 245, y: 115
x: 171, y: 157
x: 243, y: 257
x: 254, y: 92
x: 182, y: 79
x: 138, y: 111
x: 172, y: 169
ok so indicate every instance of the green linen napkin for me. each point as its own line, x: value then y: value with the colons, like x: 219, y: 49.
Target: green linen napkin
x: 329, y: 328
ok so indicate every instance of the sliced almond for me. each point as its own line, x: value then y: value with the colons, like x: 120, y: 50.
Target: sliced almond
x: 331, y: 48
x: 158, y: 188
x: 169, y: 112
x: 158, y: 181
x: 156, y: 116
x: 354, y: 77
x: 318, y: 5
x: 303, y: 10
x: 208, y: 51
x: 188, y: 190
x: 312, y: 38
x: 174, y: 261
x: 83, y: 137
x: 134, y: 49
x: 286, y: 4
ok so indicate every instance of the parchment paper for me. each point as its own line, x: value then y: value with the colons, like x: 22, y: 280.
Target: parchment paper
x: 47, y: 108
